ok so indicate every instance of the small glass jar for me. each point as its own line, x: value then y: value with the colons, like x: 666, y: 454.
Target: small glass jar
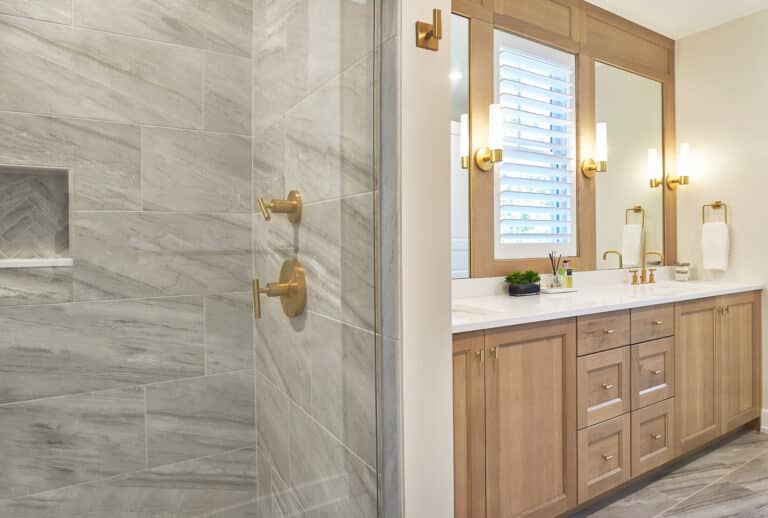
x: 683, y: 272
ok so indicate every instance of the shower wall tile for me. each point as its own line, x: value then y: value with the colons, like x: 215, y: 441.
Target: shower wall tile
x: 104, y: 158
x: 357, y: 261
x: 192, y: 171
x: 59, y: 11
x: 200, y: 416
x: 35, y: 286
x: 329, y: 137
x: 136, y: 255
x: 84, y: 73
x: 227, y: 98
x: 273, y: 420
x: 319, y: 251
x: 301, y: 44
x: 224, y: 25
x: 68, y: 348
x: 344, y: 384
x: 228, y: 332
x: 58, y: 442
x: 192, y: 488
x: 282, y: 351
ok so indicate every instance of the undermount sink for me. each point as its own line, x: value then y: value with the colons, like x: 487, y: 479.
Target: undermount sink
x: 660, y: 290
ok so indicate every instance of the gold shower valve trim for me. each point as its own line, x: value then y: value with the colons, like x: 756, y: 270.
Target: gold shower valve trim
x: 291, y: 288
x: 292, y: 207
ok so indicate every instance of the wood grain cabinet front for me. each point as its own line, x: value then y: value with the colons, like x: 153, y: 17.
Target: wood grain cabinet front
x: 653, y: 436
x: 652, y: 323
x: 604, y: 386
x: 602, y: 332
x: 653, y: 372
x: 604, y: 457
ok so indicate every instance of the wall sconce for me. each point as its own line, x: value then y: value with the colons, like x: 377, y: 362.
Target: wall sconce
x: 598, y: 164
x: 486, y: 157
x: 654, y: 168
x: 684, y: 163
x: 464, y: 141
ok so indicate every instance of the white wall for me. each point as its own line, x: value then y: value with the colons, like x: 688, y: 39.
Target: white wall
x: 722, y: 111
x: 426, y: 269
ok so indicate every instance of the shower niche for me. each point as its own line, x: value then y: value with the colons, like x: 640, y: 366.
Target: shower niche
x: 34, y: 217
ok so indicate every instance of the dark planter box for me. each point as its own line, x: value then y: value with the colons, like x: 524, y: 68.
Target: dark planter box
x: 521, y: 290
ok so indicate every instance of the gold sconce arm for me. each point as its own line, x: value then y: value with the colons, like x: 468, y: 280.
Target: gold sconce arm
x: 292, y: 206
x: 485, y: 157
x: 674, y: 181
x: 292, y: 290
x: 621, y: 257
x: 590, y: 167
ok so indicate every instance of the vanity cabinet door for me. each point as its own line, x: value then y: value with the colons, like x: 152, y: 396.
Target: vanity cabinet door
x: 697, y: 369
x: 603, y: 386
x: 469, y: 424
x: 740, y: 350
x: 653, y: 436
x: 653, y: 372
x: 604, y: 457
x: 531, y: 419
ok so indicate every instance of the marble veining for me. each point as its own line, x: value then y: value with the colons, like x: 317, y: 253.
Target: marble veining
x: 35, y: 286
x: 59, y: 11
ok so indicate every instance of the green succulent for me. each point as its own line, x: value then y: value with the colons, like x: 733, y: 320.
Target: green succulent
x: 529, y: 277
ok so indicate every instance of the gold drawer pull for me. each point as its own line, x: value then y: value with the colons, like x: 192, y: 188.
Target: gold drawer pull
x: 610, y: 331
x: 607, y: 457
x: 607, y: 386
x: 656, y: 436
x: 657, y: 372
x: 658, y: 322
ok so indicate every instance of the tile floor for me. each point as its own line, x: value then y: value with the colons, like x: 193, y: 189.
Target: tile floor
x: 728, y: 480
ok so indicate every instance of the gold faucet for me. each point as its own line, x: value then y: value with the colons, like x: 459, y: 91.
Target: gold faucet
x: 644, y: 279
x: 621, y: 257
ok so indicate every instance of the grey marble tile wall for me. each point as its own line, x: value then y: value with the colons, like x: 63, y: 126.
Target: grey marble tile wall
x: 135, y: 383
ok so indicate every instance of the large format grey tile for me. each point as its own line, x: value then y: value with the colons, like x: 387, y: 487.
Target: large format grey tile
x: 753, y: 475
x: 66, y: 348
x: 20, y: 286
x: 200, y: 416
x: 63, y: 441
x: 156, y: 254
x: 34, y: 213
x: 357, y: 261
x: 329, y: 137
x: 193, y: 171
x: 720, y: 500
x: 344, y: 384
x: 103, y: 158
x: 228, y: 332
x: 59, y: 11
x: 60, y: 70
x: 227, y: 94
x: 273, y: 420
x: 300, y: 45
x: 189, y: 489
x: 224, y: 25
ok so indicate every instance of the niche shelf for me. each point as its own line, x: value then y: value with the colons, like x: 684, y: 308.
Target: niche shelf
x: 34, y: 217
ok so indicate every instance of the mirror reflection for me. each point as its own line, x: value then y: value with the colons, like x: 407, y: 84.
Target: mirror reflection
x: 629, y: 208
x: 459, y: 146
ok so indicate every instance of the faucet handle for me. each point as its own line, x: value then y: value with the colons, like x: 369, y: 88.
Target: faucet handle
x: 635, y: 280
x: 291, y: 206
x: 652, y: 275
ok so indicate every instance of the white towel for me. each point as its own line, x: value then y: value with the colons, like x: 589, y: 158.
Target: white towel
x: 632, y: 245
x: 715, y: 246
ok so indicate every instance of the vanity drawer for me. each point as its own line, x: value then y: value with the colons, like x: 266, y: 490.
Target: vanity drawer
x: 653, y: 436
x: 652, y: 323
x: 653, y: 372
x: 601, y: 332
x: 603, y: 387
x: 604, y: 457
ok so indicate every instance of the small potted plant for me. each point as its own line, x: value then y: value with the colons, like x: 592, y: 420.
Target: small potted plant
x: 523, y: 283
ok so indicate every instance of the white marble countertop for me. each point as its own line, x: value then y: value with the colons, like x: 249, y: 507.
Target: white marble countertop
x: 488, y: 312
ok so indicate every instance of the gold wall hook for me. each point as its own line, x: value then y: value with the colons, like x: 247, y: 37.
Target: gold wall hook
x: 292, y: 290
x: 292, y: 206
x: 428, y: 35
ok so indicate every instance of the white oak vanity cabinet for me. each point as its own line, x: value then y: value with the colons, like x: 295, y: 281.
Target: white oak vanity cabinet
x: 550, y: 415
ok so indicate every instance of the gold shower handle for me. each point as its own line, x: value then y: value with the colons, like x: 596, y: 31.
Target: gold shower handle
x: 291, y: 288
x: 291, y: 206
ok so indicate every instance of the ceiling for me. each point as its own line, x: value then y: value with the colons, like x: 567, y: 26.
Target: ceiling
x: 679, y: 18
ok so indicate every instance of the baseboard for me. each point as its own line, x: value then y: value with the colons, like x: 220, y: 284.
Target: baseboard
x: 764, y: 421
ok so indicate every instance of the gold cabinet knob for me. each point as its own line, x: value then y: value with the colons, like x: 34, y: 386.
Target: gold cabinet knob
x: 292, y: 206
x: 292, y: 290
x: 657, y: 372
x: 656, y: 436
x: 658, y: 322
x: 607, y: 457
x: 607, y: 386
x: 609, y: 331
